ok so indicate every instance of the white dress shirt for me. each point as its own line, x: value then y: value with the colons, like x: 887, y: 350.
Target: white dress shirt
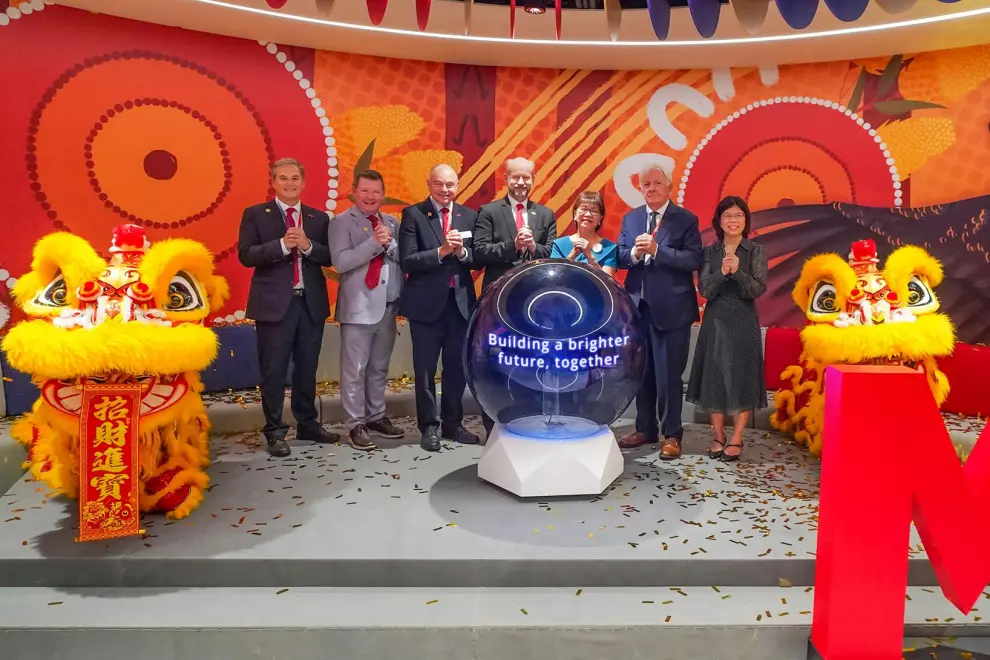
x: 635, y: 255
x: 283, y: 207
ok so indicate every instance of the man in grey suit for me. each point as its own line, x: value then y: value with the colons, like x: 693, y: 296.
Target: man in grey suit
x: 365, y: 253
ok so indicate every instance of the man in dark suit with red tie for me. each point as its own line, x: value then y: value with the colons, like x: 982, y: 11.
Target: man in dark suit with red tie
x: 660, y: 244
x: 285, y: 242
x: 435, y: 239
x: 513, y: 229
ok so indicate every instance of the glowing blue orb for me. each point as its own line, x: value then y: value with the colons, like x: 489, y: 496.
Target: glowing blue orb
x: 554, y: 350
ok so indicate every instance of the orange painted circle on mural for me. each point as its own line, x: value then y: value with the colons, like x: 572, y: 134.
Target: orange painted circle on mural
x: 805, y: 159
x: 139, y: 137
x: 148, y: 181
x: 785, y: 185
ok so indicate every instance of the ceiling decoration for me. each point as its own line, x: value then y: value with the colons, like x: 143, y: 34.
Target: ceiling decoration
x: 705, y: 14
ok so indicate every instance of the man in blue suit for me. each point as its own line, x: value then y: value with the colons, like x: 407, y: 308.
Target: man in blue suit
x: 660, y: 244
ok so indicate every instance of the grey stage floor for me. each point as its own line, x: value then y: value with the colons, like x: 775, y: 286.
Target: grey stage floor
x: 330, y: 516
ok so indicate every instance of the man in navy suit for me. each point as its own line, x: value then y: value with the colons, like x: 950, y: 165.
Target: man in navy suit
x: 660, y: 244
x: 435, y: 249
x: 285, y: 242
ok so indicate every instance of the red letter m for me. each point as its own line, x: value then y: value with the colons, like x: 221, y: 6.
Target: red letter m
x: 888, y: 459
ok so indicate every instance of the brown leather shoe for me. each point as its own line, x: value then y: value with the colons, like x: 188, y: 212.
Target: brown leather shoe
x: 385, y: 428
x: 360, y: 439
x: 634, y: 440
x: 671, y: 449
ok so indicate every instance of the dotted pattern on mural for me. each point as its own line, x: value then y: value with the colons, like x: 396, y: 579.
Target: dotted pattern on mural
x: 894, y: 175
x: 328, y: 138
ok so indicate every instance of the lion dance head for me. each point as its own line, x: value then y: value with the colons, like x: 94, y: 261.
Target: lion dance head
x: 138, y: 317
x: 859, y: 313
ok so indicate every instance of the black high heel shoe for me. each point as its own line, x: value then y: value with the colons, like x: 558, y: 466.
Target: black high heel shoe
x: 717, y: 453
x: 729, y: 458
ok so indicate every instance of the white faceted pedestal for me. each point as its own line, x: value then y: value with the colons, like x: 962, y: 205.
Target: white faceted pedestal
x: 531, y: 467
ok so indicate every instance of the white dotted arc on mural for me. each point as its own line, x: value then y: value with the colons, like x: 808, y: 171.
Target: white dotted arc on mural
x: 328, y: 140
x: 23, y: 9
x: 895, y: 177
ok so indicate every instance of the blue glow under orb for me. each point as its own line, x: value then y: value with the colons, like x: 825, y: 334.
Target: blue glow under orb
x: 555, y: 350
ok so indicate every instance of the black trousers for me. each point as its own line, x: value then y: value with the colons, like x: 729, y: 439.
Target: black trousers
x: 297, y: 336
x: 663, y: 386
x: 442, y: 339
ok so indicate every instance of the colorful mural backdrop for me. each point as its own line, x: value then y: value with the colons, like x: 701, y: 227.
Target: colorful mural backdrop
x: 111, y: 120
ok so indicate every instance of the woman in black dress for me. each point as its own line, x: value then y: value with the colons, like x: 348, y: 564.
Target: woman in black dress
x: 727, y: 372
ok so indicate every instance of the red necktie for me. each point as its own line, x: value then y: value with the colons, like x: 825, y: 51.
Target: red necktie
x: 520, y: 219
x: 290, y: 217
x: 373, y: 277
x: 445, y: 214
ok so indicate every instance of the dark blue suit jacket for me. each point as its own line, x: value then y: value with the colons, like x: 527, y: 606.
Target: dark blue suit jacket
x: 667, y: 281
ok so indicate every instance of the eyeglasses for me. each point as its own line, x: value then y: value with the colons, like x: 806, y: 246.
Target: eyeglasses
x: 584, y: 210
x: 734, y: 216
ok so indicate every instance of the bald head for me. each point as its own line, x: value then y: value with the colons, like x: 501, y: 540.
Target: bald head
x: 442, y: 182
x: 520, y: 174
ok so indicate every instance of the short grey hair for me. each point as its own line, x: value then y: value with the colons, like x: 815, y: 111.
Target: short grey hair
x: 655, y: 167
x: 288, y: 161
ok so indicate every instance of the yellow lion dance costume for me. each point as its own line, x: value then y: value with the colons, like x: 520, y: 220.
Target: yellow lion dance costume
x: 858, y: 314
x: 135, y: 318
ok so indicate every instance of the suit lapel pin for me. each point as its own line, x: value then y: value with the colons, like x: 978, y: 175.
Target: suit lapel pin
x: 268, y: 210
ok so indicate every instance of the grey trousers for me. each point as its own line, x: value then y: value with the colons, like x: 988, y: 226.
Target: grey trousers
x: 365, y: 353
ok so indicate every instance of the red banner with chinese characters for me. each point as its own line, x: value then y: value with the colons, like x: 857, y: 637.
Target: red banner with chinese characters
x: 109, y: 477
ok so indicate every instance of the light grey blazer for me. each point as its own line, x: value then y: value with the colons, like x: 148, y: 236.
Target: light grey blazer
x: 352, y: 247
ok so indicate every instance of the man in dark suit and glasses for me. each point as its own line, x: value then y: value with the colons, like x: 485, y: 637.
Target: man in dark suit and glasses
x: 660, y: 244
x: 513, y: 229
x: 285, y: 242
x: 435, y: 239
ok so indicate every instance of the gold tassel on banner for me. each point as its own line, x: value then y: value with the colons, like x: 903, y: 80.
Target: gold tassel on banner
x: 750, y: 13
x: 468, y: 5
x: 324, y: 7
x: 613, y: 15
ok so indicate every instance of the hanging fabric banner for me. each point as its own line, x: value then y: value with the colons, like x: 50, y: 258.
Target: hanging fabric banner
x: 423, y: 13
x: 557, y: 12
x: 847, y: 10
x: 750, y: 13
x: 613, y: 16
x: 705, y: 15
x: 109, y: 464
x: 324, y: 7
x: 660, y: 17
x: 376, y: 10
x: 798, y: 13
x: 512, y: 19
x: 895, y: 6
x: 468, y: 6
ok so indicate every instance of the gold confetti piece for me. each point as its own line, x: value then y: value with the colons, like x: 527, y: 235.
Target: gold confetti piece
x: 667, y: 620
x: 784, y: 582
x: 431, y: 602
x: 783, y: 601
x: 667, y: 602
x: 726, y: 596
x: 591, y: 536
x: 578, y: 592
x: 524, y: 611
x: 280, y: 592
x: 808, y: 589
x: 716, y: 589
x: 648, y: 602
x: 57, y: 602
x: 805, y: 612
x: 759, y: 617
